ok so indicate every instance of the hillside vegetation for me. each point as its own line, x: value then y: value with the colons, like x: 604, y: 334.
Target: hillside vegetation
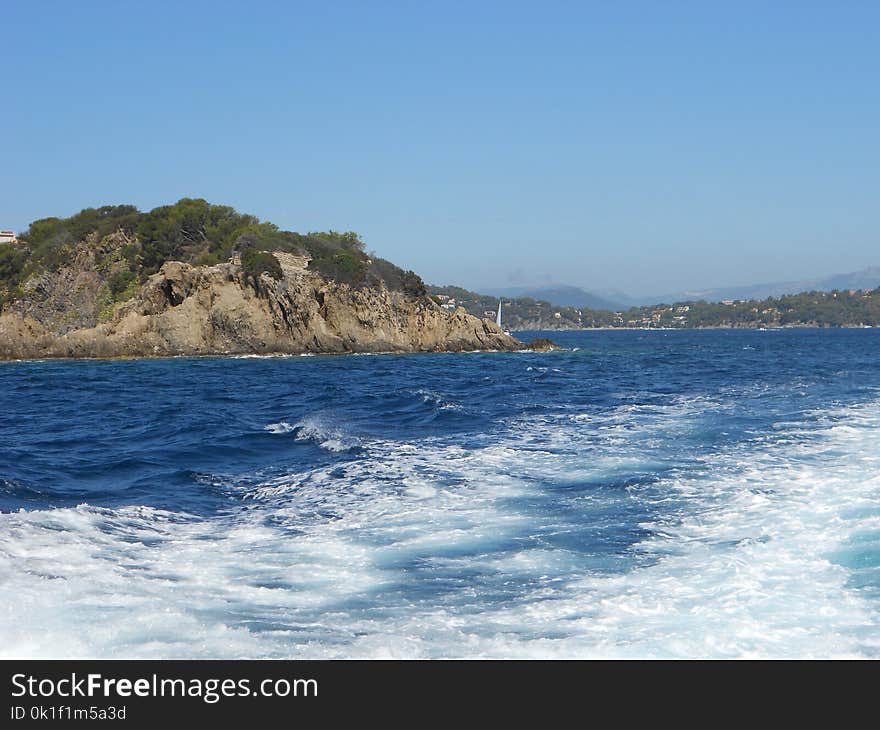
x: 192, y: 231
x: 841, y: 308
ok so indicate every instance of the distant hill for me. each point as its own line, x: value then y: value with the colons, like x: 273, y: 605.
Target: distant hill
x: 865, y: 279
x: 566, y: 295
x: 843, y: 307
x: 521, y: 313
x: 561, y: 295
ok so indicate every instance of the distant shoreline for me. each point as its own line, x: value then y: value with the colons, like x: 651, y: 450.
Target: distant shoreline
x: 697, y: 329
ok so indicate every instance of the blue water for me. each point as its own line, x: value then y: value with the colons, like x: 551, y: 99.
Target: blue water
x: 710, y: 493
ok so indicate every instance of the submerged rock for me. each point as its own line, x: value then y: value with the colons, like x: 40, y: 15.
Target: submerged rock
x: 541, y: 344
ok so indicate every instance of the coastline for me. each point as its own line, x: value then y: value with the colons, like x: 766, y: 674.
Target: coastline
x: 761, y: 328
x: 256, y: 356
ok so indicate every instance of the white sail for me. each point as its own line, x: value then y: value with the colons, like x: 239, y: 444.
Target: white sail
x: 498, y: 316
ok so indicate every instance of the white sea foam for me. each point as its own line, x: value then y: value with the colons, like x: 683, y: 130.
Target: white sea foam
x: 433, y: 549
x: 438, y: 400
x: 319, y: 429
x: 280, y: 427
x: 253, y: 356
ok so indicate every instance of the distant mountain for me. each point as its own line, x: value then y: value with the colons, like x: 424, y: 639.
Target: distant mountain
x: 561, y: 295
x: 565, y: 295
x: 620, y: 298
x: 865, y: 279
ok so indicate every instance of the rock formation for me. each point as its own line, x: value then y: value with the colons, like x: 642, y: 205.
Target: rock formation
x: 186, y: 309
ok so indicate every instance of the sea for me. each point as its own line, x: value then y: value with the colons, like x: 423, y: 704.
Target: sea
x: 668, y: 494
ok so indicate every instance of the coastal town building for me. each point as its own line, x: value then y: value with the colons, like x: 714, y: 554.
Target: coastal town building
x: 8, y: 236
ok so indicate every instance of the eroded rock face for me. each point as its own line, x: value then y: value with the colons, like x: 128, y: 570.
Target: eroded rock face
x: 202, y: 310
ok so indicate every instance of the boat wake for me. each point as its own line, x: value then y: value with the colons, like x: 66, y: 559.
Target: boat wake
x: 618, y: 533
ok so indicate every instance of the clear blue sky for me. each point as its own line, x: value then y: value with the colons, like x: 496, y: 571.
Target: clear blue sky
x: 646, y: 146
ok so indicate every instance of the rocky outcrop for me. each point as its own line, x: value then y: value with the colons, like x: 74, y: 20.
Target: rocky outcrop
x: 542, y: 344
x: 202, y: 310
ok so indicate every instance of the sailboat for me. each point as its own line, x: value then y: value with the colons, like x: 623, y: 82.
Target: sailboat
x: 498, y: 319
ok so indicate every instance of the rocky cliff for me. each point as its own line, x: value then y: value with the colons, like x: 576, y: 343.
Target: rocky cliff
x: 186, y: 309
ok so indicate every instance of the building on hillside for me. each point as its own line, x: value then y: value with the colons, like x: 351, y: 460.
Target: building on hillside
x: 8, y: 237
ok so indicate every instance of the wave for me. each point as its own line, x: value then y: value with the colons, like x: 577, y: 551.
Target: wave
x: 318, y: 430
x: 438, y: 401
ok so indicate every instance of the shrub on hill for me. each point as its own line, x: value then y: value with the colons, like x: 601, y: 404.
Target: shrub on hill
x: 254, y: 263
x: 345, y: 267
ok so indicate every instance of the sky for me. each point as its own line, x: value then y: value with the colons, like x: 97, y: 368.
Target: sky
x: 639, y: 146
